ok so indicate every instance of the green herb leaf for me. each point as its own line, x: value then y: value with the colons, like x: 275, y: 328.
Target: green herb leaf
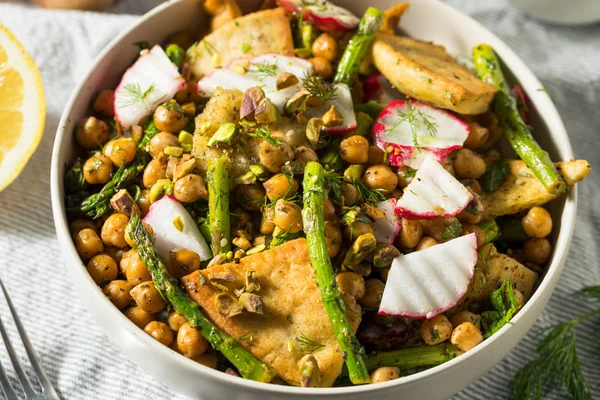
x: 176, y: 54
x: 495, y: 175
x: 264, y: 132
x: 452, y: 231
x: 506, y: 306
x: 415, y: 119
x: 307, y: 345
x: 318, y: 87
x: 246, y: 48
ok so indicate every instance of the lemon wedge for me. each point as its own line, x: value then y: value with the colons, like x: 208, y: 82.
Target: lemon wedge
x: 22, y: 107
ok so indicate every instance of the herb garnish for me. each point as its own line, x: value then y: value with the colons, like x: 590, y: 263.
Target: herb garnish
x: 307, y: 345
x: 318, y: 87
x: 414, y: 118
x: 495, y: 175
x: 264, y: 132
x: 246, y: 47
x: 209, y: 47
x: 265, y: 69
x: 135, y: 94
x: 452, y: 231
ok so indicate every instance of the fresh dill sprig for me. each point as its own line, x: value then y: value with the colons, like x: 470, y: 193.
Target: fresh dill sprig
x: 415, y: 118
x: 318, y: 87
x: 136, y: 94
x: 209, y: 48
x: 334, y: 181
x: 557, y: 364
x: 307, y: 345
x: 368, y: 195
x: 264, y: 69
x: 264, y: 132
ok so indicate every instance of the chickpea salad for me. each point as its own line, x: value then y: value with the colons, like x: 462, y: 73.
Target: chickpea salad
x: 314, y: 200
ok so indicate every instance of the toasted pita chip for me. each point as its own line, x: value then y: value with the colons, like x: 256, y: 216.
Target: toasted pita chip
x: 426, y: 72
x: 295, y: 321
x: 521, y: 189
x: 257, y: 33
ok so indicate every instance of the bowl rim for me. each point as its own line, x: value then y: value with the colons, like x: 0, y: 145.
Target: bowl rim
x: 555, y: 127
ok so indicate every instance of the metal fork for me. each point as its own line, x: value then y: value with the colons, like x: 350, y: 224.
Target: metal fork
x: 47, y: 392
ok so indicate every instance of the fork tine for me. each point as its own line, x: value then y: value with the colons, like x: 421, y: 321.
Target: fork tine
x: 33, y: 357
x: 22, y: 377
x: 5, y: 387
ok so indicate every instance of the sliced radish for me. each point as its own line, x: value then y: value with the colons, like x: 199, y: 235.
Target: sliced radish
x: 386, y: 229
x: 150, y: 81
x: 433, y: 193
x: 426, y: 283
x: 522, y: 102
x: 175, y: 229
x: 415, y: 131
x: 377, y: 88
x: 324, y: 14
x: 342, y: 103
x: 262, y: 72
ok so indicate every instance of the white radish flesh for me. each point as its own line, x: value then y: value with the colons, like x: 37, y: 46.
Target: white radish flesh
x: 261, y: 72
x: 153, y: 79
x: 386, y: 229
x: 428, y: 282
x: 433, y: 193
x: 324, y: 14
x: 166, y: 217
x: 343, y: 104
x: 412, y: 131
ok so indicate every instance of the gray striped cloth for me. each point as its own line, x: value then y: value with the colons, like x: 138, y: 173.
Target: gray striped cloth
x: 81, y: 361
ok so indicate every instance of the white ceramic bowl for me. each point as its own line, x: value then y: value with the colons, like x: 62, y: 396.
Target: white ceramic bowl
x: 426, y: 19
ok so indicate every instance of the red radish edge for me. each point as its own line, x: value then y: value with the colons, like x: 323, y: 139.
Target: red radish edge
x: 400, y: 154
x: 460, y: 295
x: 522, y: 102
x: 379, y: 224
x: 327, y: 24
x: 372, y: 87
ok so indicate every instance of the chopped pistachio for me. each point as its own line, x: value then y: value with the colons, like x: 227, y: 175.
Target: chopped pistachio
x: 184, y: 166
x: 189, y: 108
x: 303, y: 52
x: 285, y: 80
x: 187, y: 148
x: 160, y: 188
x: 217, y: 260
x: 252, y: 283
x: 227, y: 305
x: 266, y: 112
x: 239, y: 253
x: 354, y: 172
x: 297, y: 103
x: 175, y: 151
x: 178, y: 223
x: 224, y: 135
x: 256, y: 249
x: 246, y: 179
x: 137, y: 132
x: 242, y: 243
x: 186, y: 137
x: 313, y: 129
x: 363, y: 268
x: 362, y: 247
x: 310, y: 375
x: 372, y: 212
x: 251, y: 100
x: 252, y: 303
x: 332, y: 117
x: 259, y: 170
x: 384, y: 255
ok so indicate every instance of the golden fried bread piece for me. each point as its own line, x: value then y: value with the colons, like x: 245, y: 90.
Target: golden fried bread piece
x: 521, y: 189
x: 425, y: 71
x: 294, y: 322
x: 257, y: 33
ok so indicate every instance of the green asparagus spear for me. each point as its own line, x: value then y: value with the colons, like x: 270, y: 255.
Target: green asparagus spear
x: 411, y: 358
x: 511, y: 230
x: 359, y: 46
x: 176, y: 54
x: 245, y: 362
x: 218, y: 204
x: 491, y: 230
x: 331, y: 158
x: 517, y: 132
x: 372, y: 108
x: 314, y: 225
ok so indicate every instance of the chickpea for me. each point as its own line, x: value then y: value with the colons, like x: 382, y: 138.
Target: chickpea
x: 355, y: 149
x: 267, y: 226
x: 113, y: 230
x: 479, y: 233
x: 356, y: 229
x: 207, y: 359
x: 144, y: 201
x: 102, y: 269
x: 438, y: 226
x: 322, y: 66
x: 537, y: 223
x: 425, y: 243
x: 468, y: 164
x: 176, y: 321
x: 465, y: 316
x: 405, y: 176
x: 97, y: 169
x: 160, y: 331
x: 80, y: 224
x: 375, y: 155
x: 537, y: 251
x: 326, y: 46
x: 169, y: 117
x: 466, y: 336
x: 190, y: 341
x: 155, y: 170
x: 160, y: 141
x: 436, y: 330
x: 328, y: 210
x: 288, y: 216
x: 250, y: 197
x: 305, y: 155
x: 139, y: 317
x: 384, y: 374
x: 274, y: 157
x: 88, y: 244
x: 147, y: 297
x: 115, y: 253
x: 473, y: 212
x: 411, y: 232
x: 190, y: 188
x: 380, y: 177
x: 104, y: 104
x: 182, y: 262
x: 373, y: 293
x: 333, y: 238
x: 91, y: 133
x: 351, y: 283
x: 350, y: 194
x: 120, y: 151
x: 117, y: 292
x: 134, y: 268
x: 478, y: 136
x: 280, y: 186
